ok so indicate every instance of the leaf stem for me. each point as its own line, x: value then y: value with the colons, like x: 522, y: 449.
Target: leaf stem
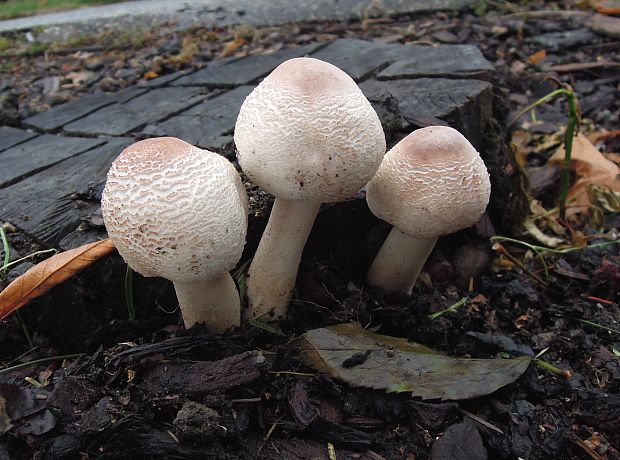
x: 551, y: 368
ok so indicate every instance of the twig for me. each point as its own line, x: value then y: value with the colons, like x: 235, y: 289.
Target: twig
x: 572, y: 437
x: 481, y: 421
x: 302, y: 374
x: 497, y: 247
x: 598, y: 299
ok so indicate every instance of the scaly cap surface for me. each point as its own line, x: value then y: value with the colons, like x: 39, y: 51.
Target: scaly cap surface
x: 307, y: 132
x: 174, y: 210
x: 433, y: 182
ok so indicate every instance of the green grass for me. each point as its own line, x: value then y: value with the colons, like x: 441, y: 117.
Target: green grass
x: 17, y: 8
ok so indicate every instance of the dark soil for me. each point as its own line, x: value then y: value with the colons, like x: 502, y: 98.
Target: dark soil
x: 149, y: 389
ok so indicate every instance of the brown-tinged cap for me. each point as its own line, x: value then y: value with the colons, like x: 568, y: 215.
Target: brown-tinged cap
x: 433, y: 182
x: 307, y: 132
x: 174, y: 210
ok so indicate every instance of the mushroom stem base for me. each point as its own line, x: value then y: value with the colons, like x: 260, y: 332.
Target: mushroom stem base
x: 399, y: 262
x: 272, y: 274
x: 215, y: 302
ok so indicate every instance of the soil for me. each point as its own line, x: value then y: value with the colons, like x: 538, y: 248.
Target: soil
x: 150, y: 389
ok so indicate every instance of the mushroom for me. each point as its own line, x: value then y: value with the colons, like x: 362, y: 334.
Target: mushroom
x: 179, y: 212
x: 432, y: 183
x: 307, y: 135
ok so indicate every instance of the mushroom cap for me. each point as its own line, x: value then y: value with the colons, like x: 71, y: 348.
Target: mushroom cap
x: 174, y: 210
x: 307, y: 132
x: 432, y: 183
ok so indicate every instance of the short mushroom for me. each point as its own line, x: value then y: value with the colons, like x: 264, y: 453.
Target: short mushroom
x: 308, y: 135
x: 432, y: 183
x: 179, y: 212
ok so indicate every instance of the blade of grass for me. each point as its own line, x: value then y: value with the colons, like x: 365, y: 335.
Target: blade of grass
x: 6, y: 249
x: 539, y: 249
x: 452, y: 307
x: 39, y: 361
x: 29, y: 256
x: 131, y: 308
x: 266, y: 327
x: 590, y: 323
x: 572, y: 126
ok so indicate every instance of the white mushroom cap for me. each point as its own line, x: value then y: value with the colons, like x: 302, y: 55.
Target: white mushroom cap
x: 175, y: 211
x: 433, y: 182
x: 307, y: 132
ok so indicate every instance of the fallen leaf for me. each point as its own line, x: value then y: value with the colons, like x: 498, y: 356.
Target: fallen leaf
x: 49, y: 273
x: 537, y: 57
x: 592, y: 168
x: 150, y: 75
x: 232, y: 46
x: 606, y: 6
x: 365, y: 359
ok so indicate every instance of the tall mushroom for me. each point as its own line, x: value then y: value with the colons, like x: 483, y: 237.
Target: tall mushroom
x: 307, y: 135
x: 432, y: 183
x: 176, y: 211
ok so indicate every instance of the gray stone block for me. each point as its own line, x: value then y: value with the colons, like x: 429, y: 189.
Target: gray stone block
x: 358, y: 58
x: 49, y: 205
x: 13, y: 136
x: 464, y: 104
x: 122, y: 118
x: 208, y: 124
x: 235, y: 72
x: 458, y: 61
x: 38, y: 154
x: 57, y: 117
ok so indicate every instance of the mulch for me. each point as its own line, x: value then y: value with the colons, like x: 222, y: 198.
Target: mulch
x: 150, y: 389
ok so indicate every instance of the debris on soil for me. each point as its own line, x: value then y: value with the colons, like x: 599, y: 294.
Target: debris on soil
x: 78, y: 379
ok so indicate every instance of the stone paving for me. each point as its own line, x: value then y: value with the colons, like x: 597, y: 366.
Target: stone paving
x: 54, y: 166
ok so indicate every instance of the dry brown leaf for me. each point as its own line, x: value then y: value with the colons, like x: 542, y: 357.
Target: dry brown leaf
x: 150, y: 75
x: 231, y: 47
x: 592, y: 168
x: 49, y: 273
x: 537, y: 57
x: 606, y: 6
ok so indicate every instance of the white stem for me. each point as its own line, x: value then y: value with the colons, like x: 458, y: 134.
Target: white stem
x: 399, y: 262
x: 272, y: 274
x: 215, y: 302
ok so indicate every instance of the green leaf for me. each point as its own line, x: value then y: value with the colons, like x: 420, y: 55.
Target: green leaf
x: 388, y: 363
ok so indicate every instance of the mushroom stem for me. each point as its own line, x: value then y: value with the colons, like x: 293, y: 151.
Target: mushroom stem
x: 215, y: 302
x: 272, y: 274
x: 399, y: 261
